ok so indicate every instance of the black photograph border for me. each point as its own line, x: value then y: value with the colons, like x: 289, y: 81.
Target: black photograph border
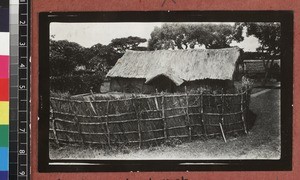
x: 73, y: 165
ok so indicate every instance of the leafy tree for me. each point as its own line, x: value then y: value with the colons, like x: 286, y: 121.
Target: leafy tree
x: 183, y: 36
x: 122, y: 44
x: 104, y: 54
x: 64, y: 57
x: 268, y: 35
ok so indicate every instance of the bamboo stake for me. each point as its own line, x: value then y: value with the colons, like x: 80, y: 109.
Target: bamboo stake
x: 222, y: 118
x: 91, y: 104
x: 76, y: 120
x: 54, y: 132
x: 156, y: 103
x: 243, y: 113
x: 106, y: 124
x: 222, y: 109
x: 187, y: 114
x: 138, y: 123
x: 79, y: 129
x: 163, y: 115
x: 221, y: 127
x: 202, y: 114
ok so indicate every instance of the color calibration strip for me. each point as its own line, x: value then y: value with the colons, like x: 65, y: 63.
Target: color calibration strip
x: 4, y: 89
x: 19, y: 167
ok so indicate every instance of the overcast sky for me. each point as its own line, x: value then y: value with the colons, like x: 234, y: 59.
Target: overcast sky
x: 89, y: 34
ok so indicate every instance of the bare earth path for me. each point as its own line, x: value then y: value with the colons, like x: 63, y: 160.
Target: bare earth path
x: 262, y: 141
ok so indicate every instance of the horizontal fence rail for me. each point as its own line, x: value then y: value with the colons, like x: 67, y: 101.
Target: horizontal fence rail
x: 146, y: 121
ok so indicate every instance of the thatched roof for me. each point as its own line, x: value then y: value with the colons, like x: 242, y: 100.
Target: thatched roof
x: 178, y: 65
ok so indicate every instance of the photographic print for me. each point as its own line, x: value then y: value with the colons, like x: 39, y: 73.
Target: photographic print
x: 166, y: 91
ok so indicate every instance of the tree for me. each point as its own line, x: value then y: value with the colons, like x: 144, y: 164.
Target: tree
x: 183, y: 36
x: 99, y: 53
x: 268, y: 35
x: 64, y: 57
x: 122, y: 44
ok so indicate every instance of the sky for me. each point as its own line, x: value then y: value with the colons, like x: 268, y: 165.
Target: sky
x: 89, y: 34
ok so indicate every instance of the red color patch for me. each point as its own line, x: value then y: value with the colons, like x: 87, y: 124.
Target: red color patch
x: 4, y: 89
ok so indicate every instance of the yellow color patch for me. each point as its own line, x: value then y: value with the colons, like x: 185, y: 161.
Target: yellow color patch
x: 4, y: 112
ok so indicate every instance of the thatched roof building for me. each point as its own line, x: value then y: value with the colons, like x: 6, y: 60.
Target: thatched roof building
x: 179, y: 66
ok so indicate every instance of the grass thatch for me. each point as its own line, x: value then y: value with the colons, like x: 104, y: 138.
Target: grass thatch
x: 178, y: 65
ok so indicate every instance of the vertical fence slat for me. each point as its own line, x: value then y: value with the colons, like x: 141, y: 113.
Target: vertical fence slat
x: 187, y: 114
x: 242, y: 110
x: 202, y: 115
x: 222, y: 131
x: 163, y: 114
x: 222, y: 118
x: 79, y: 129
x: 138, y: 121
x: 107, y: 123
x: 54, y: 131
x: 222, y: 109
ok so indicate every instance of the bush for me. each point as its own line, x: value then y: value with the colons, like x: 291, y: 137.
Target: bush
x: 76, y: 84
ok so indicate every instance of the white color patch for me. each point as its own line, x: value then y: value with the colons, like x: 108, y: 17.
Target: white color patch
x: 4, y: 43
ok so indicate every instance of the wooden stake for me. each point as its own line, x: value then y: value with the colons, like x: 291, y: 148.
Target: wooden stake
x: 163, y: 114
x: 221, y: 127
x: 91, y: 104
x: 79, y: 129
x: 138, y: 121
x: 107, y: 124
x: 187, y: 114
x: 243, y: 113
x: 202, y: 115
x: 54, y: 132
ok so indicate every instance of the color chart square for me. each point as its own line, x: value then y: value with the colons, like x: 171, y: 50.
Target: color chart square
x: 4, y: 67
x: 4, y: 113
x: 4, y: 88
x: 4, y: 158
x: 4, y: 131
x: 4, y: 175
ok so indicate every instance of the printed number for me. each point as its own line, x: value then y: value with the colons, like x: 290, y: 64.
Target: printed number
x: 23, y: 22
x: 22, y: 130
x: 22, y: 173
x: 22, y: 65
x: 22, y: 87
x: 22, y: 44
x: 21, y: 151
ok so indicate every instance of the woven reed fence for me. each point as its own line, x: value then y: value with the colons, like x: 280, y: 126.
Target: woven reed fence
x: 149, y: 120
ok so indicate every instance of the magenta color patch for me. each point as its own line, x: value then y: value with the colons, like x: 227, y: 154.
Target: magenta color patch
x: 4, y: 67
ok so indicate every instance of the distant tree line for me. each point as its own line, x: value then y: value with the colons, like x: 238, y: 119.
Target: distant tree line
x: 76, y: 69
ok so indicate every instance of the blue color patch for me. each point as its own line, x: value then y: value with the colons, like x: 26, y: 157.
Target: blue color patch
x: 3, y: 158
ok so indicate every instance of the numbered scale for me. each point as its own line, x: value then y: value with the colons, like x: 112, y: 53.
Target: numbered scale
x: 19, y: 152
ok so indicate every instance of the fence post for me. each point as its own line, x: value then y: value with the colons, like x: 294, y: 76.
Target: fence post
x: 163, y: 114
x: 79, y: 129
x: 107, y: 123
x: 77, y: 123
x: 187, y: 114
x: 54, y: 131
x: 222, y: 117
x: 138, y: 121
x: 202, y: 115
x: 243, y: 109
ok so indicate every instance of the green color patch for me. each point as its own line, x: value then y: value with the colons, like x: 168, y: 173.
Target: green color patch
x: 4, y: 135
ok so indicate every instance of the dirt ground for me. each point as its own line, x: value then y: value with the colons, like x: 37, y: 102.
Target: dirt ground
x: 261, y: 142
